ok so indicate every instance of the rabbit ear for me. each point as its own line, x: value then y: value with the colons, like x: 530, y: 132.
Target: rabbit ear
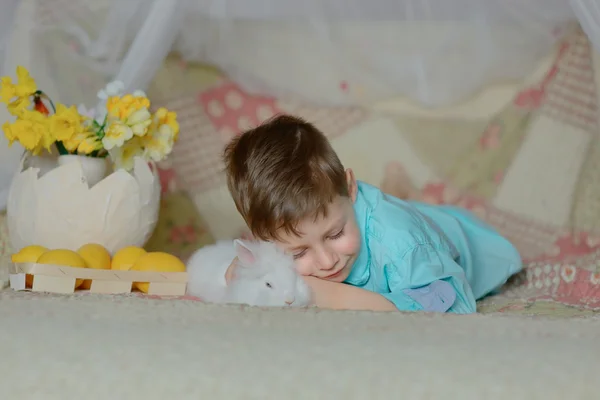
x: 230, y: 272
x: 245, y: 255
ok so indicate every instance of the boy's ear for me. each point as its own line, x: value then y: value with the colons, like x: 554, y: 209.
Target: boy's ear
x: 243, y: 251
x: 352, y: 185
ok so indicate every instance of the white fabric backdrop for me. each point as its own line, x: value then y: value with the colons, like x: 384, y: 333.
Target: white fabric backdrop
x: 435, y: 52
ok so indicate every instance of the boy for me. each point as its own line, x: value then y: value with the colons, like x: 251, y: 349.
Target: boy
x: 358, y: 247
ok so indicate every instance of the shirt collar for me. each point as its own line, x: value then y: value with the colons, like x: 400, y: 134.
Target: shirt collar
x: 360, y: 270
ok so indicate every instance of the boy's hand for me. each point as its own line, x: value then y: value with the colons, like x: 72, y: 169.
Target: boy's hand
x: 339, y: 296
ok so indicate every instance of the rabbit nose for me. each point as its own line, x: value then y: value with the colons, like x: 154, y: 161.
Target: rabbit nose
x: 289, y: 302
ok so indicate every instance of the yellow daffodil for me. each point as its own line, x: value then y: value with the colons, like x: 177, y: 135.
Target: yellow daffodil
x: 162, y: 116
x: 74, y: 141
x: 123, y: 156
x: 162, y: 134
x: 119, y: 131
x: 19, y: 105
x: 7, y: 90
x: 116, y: 134
x: 89, y: 145
x: 28, y: 133
x: 31, y: 131
x: 83, y: 143
x: 11, y: 132
x: 123, y: 125
x: 16, y: 96
x: 139, y: 121
x: 122, y: 107
x: 66, y: 123
x: 158, y: 144
x: 26, y: 85
x: 127, y: 116
x: 40, y: 123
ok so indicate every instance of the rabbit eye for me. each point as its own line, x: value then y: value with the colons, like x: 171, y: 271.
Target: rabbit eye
x: 268, y: 284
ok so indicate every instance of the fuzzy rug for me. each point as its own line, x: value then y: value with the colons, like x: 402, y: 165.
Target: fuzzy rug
x: 94, y: 347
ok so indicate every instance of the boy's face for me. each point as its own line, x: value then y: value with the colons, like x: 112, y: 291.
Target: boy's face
x: 327, y: 247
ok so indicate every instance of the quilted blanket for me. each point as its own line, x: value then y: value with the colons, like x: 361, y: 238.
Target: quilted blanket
x: 532, y: 169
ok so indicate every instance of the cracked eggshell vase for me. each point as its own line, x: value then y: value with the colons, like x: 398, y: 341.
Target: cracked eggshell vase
x: 76, y: 203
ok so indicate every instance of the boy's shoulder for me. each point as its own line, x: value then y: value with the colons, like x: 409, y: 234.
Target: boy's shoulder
x: 373, y: 201
x: 394, y: 222
x: 385, y: 215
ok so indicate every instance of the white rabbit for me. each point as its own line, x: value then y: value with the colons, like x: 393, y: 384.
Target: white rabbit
x: 263, y: 275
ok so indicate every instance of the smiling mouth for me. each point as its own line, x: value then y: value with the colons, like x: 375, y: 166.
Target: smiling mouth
x: 334, y: 274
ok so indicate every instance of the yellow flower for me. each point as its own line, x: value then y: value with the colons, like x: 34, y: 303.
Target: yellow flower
x: 122, y: 107
x: 66, y: 122
x: 26, y: 86
x: 40, y: 123
x: 83, y: 143
x: 7, y: 91
x: 157, y: 146
x: 28, y: 133
x: 89, y: 145
x: 123, y: 156
x: 158, y: 143
x: 31, y: 131
x: 127, y: 116
x: 10, y: 132
x: 17, y: 107
x: 17, y: 95
x: 139, y: 121
x: 74, y: 141
x: 116, y: 134
x: 166, y: 117
x: 162, y: 134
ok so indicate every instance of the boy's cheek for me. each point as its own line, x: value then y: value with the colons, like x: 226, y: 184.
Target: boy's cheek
x: 303, y: 269
x: 352, y: 244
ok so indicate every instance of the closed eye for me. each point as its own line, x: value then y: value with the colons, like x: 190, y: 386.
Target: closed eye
x: 337, y: 235
x: 269, y: 285
x: 299, y: 255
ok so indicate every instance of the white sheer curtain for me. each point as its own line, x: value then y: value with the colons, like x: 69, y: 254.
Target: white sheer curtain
x: 13, y: 51
x: 435, y: 52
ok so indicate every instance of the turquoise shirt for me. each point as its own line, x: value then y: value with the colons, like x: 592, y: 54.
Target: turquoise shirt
x: 410, y: 245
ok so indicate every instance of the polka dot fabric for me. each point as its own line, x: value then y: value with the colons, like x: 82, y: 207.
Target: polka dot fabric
x: 231, y: 110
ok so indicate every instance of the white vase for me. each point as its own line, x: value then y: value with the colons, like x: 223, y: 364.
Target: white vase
x: 64, y: 209
x: 94, y: 168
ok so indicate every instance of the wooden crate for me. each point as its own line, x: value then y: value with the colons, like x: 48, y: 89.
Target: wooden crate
x: 61, y: 279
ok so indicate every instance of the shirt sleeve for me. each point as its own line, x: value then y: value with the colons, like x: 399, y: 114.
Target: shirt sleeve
x: 416, y: 279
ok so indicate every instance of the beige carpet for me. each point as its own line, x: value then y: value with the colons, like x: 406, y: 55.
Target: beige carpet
x: 85, y: 347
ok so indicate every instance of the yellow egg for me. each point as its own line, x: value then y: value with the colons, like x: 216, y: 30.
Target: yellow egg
x: 95, y: 257
x: 124, y: 258
x: 64, y: 257
x: 159, y: 262
x: 29, y: 254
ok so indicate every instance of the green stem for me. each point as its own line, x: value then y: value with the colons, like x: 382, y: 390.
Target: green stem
x: 61, y: 148
x: 101, y: 132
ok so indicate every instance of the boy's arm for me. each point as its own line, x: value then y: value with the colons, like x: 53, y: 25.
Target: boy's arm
x: 339, y: 296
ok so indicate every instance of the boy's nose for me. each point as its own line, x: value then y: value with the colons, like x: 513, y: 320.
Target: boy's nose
x: 328, y: 259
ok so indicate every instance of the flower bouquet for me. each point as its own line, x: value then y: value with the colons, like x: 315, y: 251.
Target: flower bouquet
x: 75, y: 202
x: 122, y: 128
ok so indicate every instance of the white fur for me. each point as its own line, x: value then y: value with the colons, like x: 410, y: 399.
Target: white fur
x: 260, y: 265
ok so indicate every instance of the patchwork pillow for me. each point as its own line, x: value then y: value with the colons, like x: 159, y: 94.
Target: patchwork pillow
x: 180, y: 229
